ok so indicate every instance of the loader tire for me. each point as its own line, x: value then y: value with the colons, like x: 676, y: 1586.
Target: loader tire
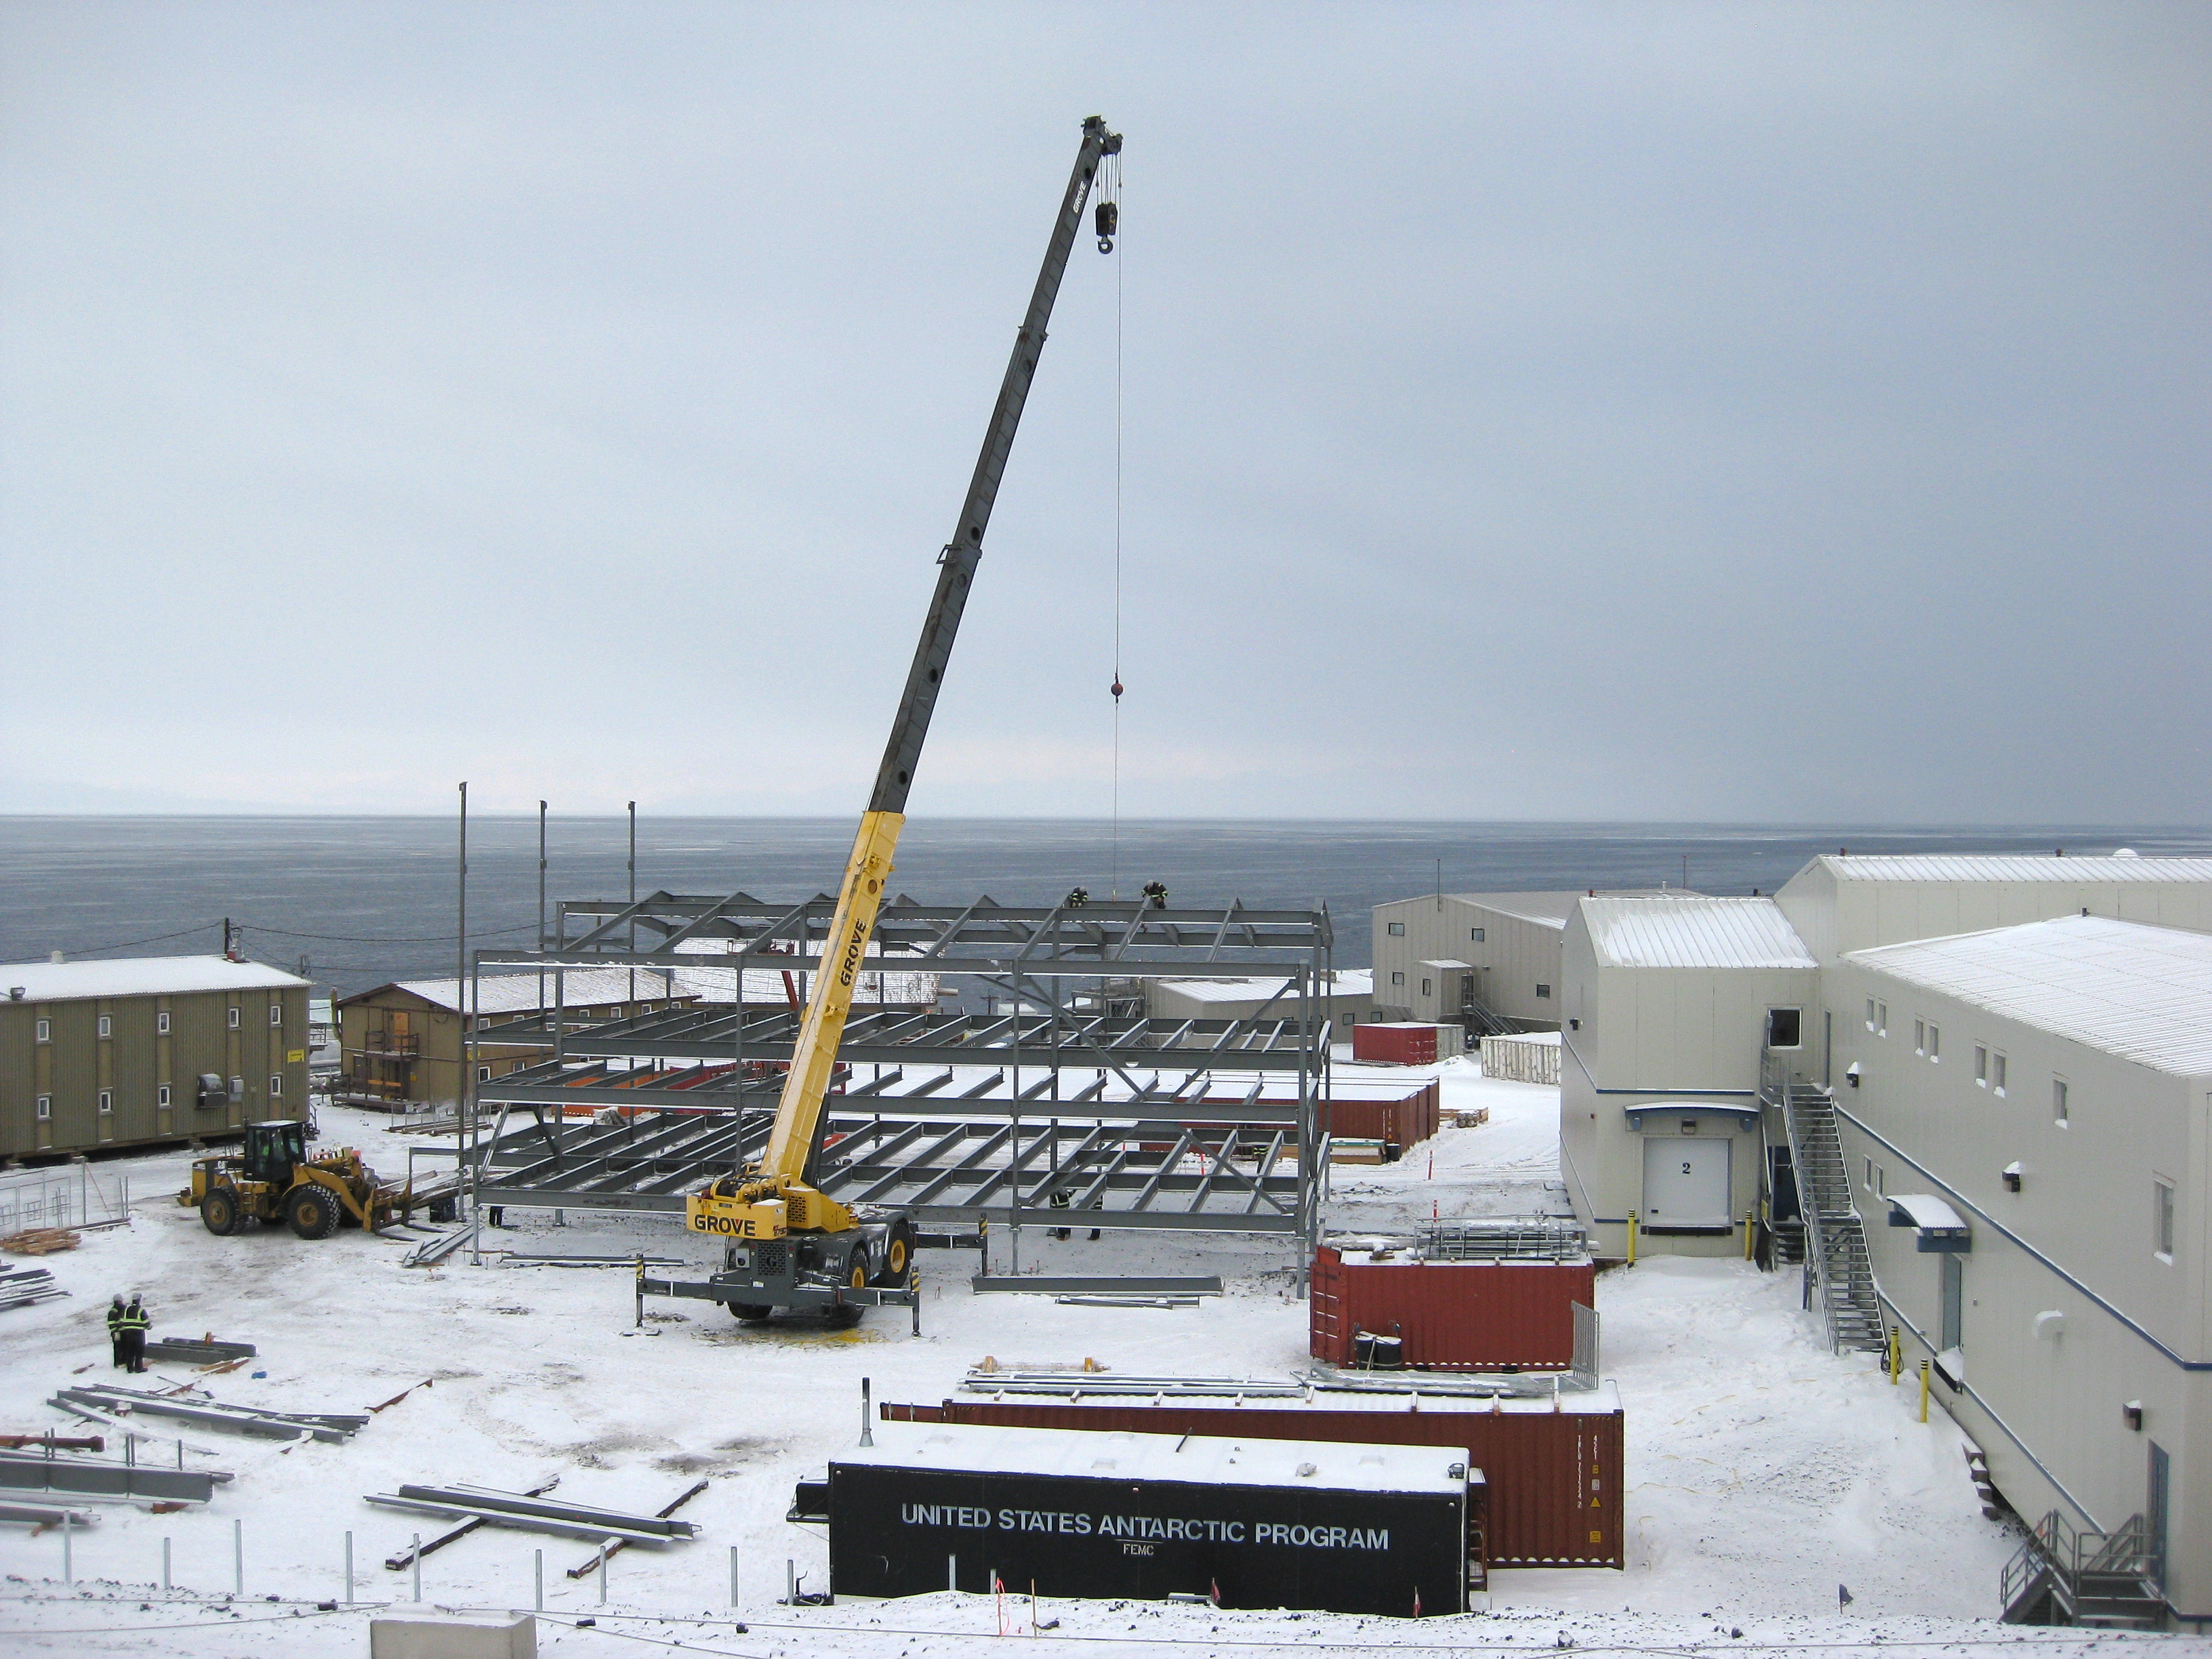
x: 219, y: 1213
x: 898, y: 1255
x: 312, y: 1212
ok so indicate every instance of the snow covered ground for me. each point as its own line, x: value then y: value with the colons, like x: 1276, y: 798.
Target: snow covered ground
x: 1763, y: 1471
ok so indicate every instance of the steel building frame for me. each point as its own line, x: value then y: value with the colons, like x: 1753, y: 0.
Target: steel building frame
x: 1053, y: 1114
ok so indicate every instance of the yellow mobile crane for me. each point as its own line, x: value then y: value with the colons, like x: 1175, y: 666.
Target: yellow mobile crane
x: 789, y: 1244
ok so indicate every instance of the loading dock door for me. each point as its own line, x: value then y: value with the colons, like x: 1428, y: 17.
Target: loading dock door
x: 1686, y: 1182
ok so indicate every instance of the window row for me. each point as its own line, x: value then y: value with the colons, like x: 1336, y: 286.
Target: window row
x: 1397, y: 930
x: 163, y: 1096
x: 45, y: 1032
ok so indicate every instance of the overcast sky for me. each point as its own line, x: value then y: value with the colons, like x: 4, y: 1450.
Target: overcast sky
x: 1710, y: 412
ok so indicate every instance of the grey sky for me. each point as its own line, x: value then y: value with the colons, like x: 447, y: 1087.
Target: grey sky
x: 1702, y: 412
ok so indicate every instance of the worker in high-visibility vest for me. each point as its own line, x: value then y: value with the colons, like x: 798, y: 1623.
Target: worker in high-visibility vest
x: 135, y: 1320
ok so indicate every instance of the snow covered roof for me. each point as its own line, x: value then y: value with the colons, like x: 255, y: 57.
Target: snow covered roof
x: 1926, y: 1212
x: 1321, y: 1465
x: 907, y: 986
x: 1352, y: 982
x: 513, y: 994
x: 1545, y: 909
x: 1680, y: 930
x: 140, y: 976
x: 2141, y: 992
x: 2014, y: 867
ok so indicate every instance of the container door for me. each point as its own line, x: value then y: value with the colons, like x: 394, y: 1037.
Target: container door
x: 1686, y: 1182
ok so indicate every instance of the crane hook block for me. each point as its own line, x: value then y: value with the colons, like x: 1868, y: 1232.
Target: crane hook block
x: 1117, y: 688
x: 1107, y: 216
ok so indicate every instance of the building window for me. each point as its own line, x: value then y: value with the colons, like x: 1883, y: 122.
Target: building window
x: 1543, y: 990
x: 1881, y: 1181
x: 483, y: 1073
x: 1397, y: 930
x: 45, y: 1109
x: 275, y: 1084
x: 107, y: 1102
x: 275, y: 1013
x: 2162, y: 1217
x: 1935, y: 1041
x: 233, y: 1019
x: 1784, y: 1028
x: 161, y: 1096
x: 1397, y: 979
x: 2058, y: 1101
x: 46, y: 1030
x: 1426, y: 988
x: 1981, y: 1066
x: 106, y: 1028
x: 1882, y: 1019
x: 237, y: 1083
x: 1998, y: 1072
x: 161, y: 1023
x: 1919, y: 1036
x: 1870, y: 1013
x: 1869, y: 1174
x: 1476, y: 934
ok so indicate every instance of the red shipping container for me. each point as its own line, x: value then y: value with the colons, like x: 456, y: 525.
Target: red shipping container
x: 1452, y: 1316
x: 1394, y: 1042
x: 1553, y: 1468
x: 1407, y: 1121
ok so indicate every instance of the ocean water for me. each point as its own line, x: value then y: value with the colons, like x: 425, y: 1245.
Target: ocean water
x: 365, y: 900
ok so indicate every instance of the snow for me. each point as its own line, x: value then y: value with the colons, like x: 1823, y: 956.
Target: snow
x: 139, y: 976
x: 1929, y: 1213
x: 1090, y: 1454
x: 1762, y: 1470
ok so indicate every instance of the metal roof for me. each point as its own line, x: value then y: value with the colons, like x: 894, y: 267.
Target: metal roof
x: 1546, y: 909
x: 1679, y: 930
x: 2014, y: 867
x: 140, y: 976
x: 513, y: 993
x: 1352, y: 982
x: 2141, y: 992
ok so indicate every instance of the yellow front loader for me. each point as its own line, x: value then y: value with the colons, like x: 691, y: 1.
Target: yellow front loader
x: 270, y: 1179
x: 789, y: 1245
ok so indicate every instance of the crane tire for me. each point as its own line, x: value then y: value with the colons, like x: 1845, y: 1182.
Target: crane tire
x: 219, y: 1213
x: 897, y: 1261
x: 752, y: 1313
x: 312, y: 1212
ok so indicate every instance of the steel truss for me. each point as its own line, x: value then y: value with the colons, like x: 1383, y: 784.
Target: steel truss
x: 1053, y: 1114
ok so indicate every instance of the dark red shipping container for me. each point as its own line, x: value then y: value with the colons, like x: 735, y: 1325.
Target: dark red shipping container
x: 1394, y: 1043
x: 1553, y: 1472
x: 1452, y: 1316
x: 1405, y: 1120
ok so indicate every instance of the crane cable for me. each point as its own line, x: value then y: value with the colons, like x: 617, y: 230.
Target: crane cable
x: 1114, y: 186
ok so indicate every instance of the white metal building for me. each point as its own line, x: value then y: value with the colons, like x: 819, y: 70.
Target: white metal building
x: 1347, y: 998
x: 1669, y: 1000
x: 1436, y: 954
x: 2049, y: 1087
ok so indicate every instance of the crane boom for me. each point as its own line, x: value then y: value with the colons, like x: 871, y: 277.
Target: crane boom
x: 773, y: 1199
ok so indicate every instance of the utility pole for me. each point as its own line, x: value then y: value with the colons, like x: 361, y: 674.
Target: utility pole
x: 633, y: 905
x: 461, y: 1095
x: 541, y: 911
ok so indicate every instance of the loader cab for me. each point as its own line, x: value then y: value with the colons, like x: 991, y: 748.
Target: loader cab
x: 273, y: 1150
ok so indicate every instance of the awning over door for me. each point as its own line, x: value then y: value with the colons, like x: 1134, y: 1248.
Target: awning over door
x: 1940, y: 1226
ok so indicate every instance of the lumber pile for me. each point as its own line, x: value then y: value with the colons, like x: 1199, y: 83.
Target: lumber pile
x: 39, y: 1241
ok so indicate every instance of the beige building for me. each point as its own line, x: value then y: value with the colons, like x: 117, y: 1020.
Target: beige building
x: 401, y: 1045
x: 146, y: 1049
x: 2047, y: 1087
x: 1454, y: 956
x: 1669, y: 1000
x: 1347, y: 1000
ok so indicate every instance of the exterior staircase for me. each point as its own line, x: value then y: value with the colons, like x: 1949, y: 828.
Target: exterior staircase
x: 2065, y: 1575
x: 1837, y: 1268
x: 1479, y: 1021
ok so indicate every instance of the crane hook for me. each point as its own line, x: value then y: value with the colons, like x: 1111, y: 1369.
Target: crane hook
x: 1117, y: 688
x: 1106, y: 217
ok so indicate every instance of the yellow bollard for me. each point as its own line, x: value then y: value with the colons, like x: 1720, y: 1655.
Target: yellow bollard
x: 1747, y: 1236
x: 1631, y: 1238
x: 1923, y: 1391
x: 1896, y: 1358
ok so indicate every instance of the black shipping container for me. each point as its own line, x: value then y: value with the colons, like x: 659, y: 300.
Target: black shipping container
x: 1257, y: 1523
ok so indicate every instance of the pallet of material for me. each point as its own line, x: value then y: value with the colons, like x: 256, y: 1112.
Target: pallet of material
x: 526, y: 1512
x: 39, y: 1241
x: 199, y: 1350
x: 1357, y: 1152
x: 330, y: 1426
x: 23, y: 1286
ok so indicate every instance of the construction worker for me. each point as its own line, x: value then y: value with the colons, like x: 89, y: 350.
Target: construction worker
x: 135, y: 1320
x: 115, y: 1326
x: 1077, y: 897
x: 1155, y: 893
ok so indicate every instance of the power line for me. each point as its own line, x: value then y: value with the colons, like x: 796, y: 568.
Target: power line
x: 94, y: 950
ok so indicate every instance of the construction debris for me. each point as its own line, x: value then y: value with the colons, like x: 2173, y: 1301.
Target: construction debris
x: 408, y: 1558
x: 85, y: 1477
x: 431, y: 1251
x: 91, y: 1442
x: 1127, y: 1301
x: 199, y: 1350
x: 332, y: 1427
x: 39, y: 1241
x: 527, y: 1513
x: 619, y: 1545
x: 21, y: 1286
x: 426, y: 1382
